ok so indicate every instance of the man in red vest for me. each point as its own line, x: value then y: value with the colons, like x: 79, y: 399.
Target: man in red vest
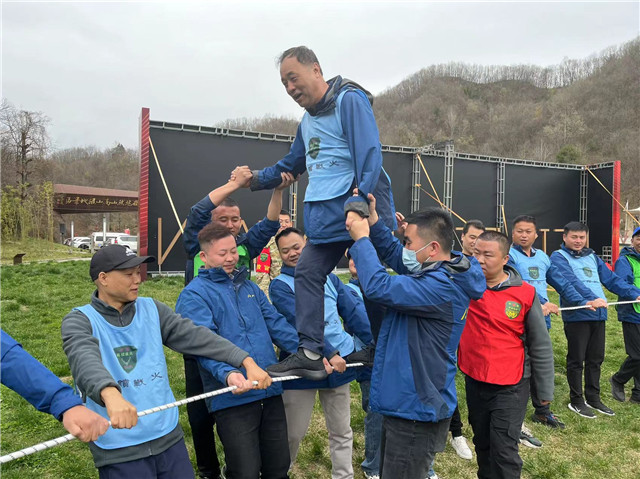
x: 506, y: 320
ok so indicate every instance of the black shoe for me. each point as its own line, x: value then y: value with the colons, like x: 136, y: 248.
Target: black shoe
x: 582, y: 410
x: 364, y: 356
x: 617, y: 390
x: 601, y: 408
x: 299, y: 365
x: 634, y: 400
x: 548, y: 419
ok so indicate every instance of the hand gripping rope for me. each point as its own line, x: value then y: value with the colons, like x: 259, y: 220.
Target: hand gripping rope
x: 69, y: 437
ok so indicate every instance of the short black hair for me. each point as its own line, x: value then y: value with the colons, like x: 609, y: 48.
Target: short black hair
x: 434, y: 224
x: 496, y: 237
x: 475, y: 223
x: 575, y: 226
x: 525, y: 219
x: 285, y: 212
x: 212, y: 232
x: 229, y: 202
x: 287, y: 232
x: 303, y: 54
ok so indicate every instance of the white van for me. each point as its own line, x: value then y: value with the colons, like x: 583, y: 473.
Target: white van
x: 97, y: 241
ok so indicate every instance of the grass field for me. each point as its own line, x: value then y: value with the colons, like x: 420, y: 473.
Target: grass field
x: 36, y: 297
x: 39, y: 250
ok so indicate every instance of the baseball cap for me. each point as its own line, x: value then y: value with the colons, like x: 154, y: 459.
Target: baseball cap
x: 636, y: 232
x: 115, y: 256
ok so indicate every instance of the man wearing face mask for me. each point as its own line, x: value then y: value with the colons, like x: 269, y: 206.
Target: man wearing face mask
x: 412, y: 383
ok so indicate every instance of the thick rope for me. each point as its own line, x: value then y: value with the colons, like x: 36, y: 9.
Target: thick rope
x: 70, y: 437
x: 571, y: 308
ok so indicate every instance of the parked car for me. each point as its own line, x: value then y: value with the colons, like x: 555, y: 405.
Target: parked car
x: 79, y: 239
x: 98, y: 242
x: 84, y: 243
x: 128, y: 241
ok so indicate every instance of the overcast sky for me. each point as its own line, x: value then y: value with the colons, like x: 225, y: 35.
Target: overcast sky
x: 91, y: 67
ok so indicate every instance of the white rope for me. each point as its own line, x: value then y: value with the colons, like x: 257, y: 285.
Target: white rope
x: 571, y: 308
x: 70, y: 437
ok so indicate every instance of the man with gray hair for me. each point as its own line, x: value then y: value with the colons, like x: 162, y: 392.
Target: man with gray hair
x: 338, y: 144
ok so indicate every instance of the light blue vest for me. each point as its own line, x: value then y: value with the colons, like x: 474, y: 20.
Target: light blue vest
x: 333, y: 330
x: 586, y: 270
x: 533, y: 269
x: 329, y: 164
x: 134, y: 357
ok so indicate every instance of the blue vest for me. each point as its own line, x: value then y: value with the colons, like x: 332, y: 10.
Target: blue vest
x: 134, y: 357
x: 533, y: 269
x: 333, y: 330
x: 329, y: 164
x: 586, y: 270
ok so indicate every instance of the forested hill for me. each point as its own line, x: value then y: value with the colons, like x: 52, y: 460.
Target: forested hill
x: 581, y: 111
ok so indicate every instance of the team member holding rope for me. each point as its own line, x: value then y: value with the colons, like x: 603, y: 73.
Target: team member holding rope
x: 115, y: 350
x: 584, y: 329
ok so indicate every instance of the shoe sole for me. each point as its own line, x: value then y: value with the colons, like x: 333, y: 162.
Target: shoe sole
x: 610, y: 414
x: 617, y: 395
x: 303, y: 373
x: 579, y: 413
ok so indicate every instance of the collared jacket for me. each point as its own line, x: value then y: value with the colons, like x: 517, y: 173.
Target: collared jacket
x: 506, y: 339
x: 538, y: 271
x: 33, y: 381
x: 628, y: 312
x: 346, y: 306
x: 235, y: 308
x: 324, y: 220
x: 415, y: 363
x: 604, y: 275
x: 200, y: 216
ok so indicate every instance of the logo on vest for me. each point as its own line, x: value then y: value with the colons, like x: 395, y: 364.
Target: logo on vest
x: 314, y: 147
x: 512, y: 309
x: 587, y: 271
x: 264, y: 257
x: 534, y: 272
x: 127, y: 357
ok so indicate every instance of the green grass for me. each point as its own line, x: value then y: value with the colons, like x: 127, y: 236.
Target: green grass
x: 39, y: 250
x: 36, y: 297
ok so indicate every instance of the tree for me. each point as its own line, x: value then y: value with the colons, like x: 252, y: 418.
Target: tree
x: 24, y: 143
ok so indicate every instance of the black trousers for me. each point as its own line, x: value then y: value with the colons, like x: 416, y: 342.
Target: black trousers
x: 630, y: 368
x: 201, y: 421
x: 255, y: 441
x: 585, y: 351
x: 455, y: 427
x: 496, y: 414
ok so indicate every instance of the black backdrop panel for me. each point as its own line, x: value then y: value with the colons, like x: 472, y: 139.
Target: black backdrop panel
x: 551, y: 195
x: 474, y: 191
x: 193, y: 164
x: 599, y: 211
x: 398, y: 167
x: 435, y: 167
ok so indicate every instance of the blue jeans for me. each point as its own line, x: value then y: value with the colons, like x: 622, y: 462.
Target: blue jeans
x: 372, y: 433
x: 408, y: 447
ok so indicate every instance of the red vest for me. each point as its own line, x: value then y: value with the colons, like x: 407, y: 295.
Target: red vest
x: 263, y: 261
x: 491, y: 346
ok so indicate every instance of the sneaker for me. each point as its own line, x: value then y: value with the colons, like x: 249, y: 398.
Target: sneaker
x: 298, y: 365
x: 528, y: 439
x: 364, y: 356
x: 433, y: 476
x: 461, y: 447
x: 601, y: 408
x: 582, y: 410
x: 634, y: 400
x: 549, y: 419
x: 617, y: 390
x: 372, y: 476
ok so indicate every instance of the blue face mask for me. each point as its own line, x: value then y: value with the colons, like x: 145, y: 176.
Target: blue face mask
x: 410, y: 260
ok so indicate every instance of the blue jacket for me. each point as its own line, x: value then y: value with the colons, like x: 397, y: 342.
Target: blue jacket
x: 324, y: 220
x: 610, y: 280
x: 547, y: 272
x: 351, y: 311
x: 238, y: 310
x: 200, y: 216
x: 626, y: 312
x: 30, y: 379
x: 415, y: 364
x: 362, y: 373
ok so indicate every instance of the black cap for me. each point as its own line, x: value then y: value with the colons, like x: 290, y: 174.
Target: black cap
x: 115, y: 256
